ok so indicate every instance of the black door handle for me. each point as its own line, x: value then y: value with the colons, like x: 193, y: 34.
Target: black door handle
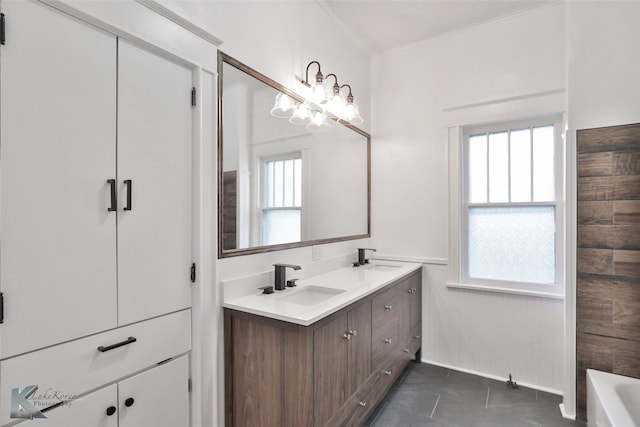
x: 129, y: 340
x: 112, y: 184
x: 129, y: 185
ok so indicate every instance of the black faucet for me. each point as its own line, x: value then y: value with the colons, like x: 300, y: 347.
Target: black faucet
x: 361, y: 258
x: 281, y: 275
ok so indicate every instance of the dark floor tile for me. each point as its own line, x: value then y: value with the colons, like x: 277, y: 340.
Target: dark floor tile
x: 417, y: 402
x: 504, y: 396
x: 463, y: 400
x: 463, y: 416
x: 548, y: 397
x: 392, y: 418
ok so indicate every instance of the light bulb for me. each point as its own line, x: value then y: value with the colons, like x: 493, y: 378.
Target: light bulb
x: 357, y: 118
x: 336, y: 105
x: 318, y: 94
x: 349, y: 111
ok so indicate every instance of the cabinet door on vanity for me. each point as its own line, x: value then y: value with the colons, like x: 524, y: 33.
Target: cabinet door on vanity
x: 330, y: 361
x: 154, y: 175
x: 359, y: 320
x: 57, y: 142
x: 342, y: 360
x: 411, y: 289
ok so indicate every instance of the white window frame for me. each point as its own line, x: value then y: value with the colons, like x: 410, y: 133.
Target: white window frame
x: 459, y: 209
x: 262, y: 205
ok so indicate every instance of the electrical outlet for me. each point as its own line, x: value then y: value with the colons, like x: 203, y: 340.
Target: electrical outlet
x: 316, y: 253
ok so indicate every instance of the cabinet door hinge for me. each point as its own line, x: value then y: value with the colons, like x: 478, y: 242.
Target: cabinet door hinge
x: 1, y: 28
x: 193, y: 96
x: 189, y: 385
x: 193, y: 273
x: 1, y: 307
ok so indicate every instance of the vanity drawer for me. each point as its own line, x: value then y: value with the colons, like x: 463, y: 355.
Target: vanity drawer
x: 78, y: 366
x: 385, y: 307
x: 384, y: 341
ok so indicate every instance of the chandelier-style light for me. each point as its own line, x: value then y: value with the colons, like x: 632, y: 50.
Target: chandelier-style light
x: 324, y: 99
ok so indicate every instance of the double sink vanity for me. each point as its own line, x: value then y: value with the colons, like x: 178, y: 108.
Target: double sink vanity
x: 322, y: 353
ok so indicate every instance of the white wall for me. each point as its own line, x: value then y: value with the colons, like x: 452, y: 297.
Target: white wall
x: 604, y: 90
x: 278, y: 39
x: 507, y: 69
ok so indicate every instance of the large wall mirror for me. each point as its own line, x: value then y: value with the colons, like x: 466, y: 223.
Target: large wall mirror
x: 282, y: 185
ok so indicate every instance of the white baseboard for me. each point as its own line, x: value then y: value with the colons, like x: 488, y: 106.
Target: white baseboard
x: 493, y: 377
x: 565, y: 414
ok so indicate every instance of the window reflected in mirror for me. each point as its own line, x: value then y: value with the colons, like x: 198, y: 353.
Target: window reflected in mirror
x: 283, y: 185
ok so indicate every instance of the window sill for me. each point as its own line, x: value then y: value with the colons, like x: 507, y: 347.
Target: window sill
x: 503, y: 290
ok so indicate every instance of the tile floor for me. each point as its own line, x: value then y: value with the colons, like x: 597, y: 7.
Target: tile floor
x: 428, y: 395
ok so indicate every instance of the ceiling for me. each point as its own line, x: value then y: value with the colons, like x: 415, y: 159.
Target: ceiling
x: 386, y: 24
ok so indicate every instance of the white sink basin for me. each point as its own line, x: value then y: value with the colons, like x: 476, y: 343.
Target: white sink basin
x: 382, y: 267
x: 311, y: 295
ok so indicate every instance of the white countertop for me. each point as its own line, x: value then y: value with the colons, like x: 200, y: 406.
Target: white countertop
x: 353, y: 283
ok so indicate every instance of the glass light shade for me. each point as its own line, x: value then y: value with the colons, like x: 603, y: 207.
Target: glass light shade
x: 318, y: 94
x: 283, y: 106
x: 301, y: 114
x: 352, y: 113
x: 336, y: 105
x: 318, y: 122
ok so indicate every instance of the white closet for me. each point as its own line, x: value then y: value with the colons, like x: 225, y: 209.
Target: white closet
x: 81, y: 112
x: 96, y: 154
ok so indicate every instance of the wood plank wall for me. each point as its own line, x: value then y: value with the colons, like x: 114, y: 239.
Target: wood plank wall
x: 608, y: 276
x: 229, y: 208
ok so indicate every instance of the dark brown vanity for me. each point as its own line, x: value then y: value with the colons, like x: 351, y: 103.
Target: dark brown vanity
x: 330, y: 373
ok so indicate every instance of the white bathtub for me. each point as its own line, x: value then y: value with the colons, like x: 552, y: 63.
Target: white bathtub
x: 612, y: 400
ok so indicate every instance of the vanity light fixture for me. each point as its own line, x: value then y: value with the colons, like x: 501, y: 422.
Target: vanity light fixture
x: 325, y: 99
x: 317, y: 88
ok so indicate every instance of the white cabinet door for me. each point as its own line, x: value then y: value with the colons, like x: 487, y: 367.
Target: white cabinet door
x: 97, y: 409
x: 158, y: 397
x: 57, y: 133
x: 154, y: 153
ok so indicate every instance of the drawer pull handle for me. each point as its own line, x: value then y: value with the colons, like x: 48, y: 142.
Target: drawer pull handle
x: 111, y: 410
x: 387, y: 372
x: 406, y: 350
x: 129, y: 340
x: 416, y: 337
x: 387, y: 307
x: 353, y: 332
x: 363, y: 404
x: 387, y: 340
x: 129, y: 402
x: 346, y: 336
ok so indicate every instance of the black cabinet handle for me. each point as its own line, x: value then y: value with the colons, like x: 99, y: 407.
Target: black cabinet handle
x: 111, y: 410
x: 120, y: 344
x: 128, y: 184
x: 129, y: 402
x: 112, y: 184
